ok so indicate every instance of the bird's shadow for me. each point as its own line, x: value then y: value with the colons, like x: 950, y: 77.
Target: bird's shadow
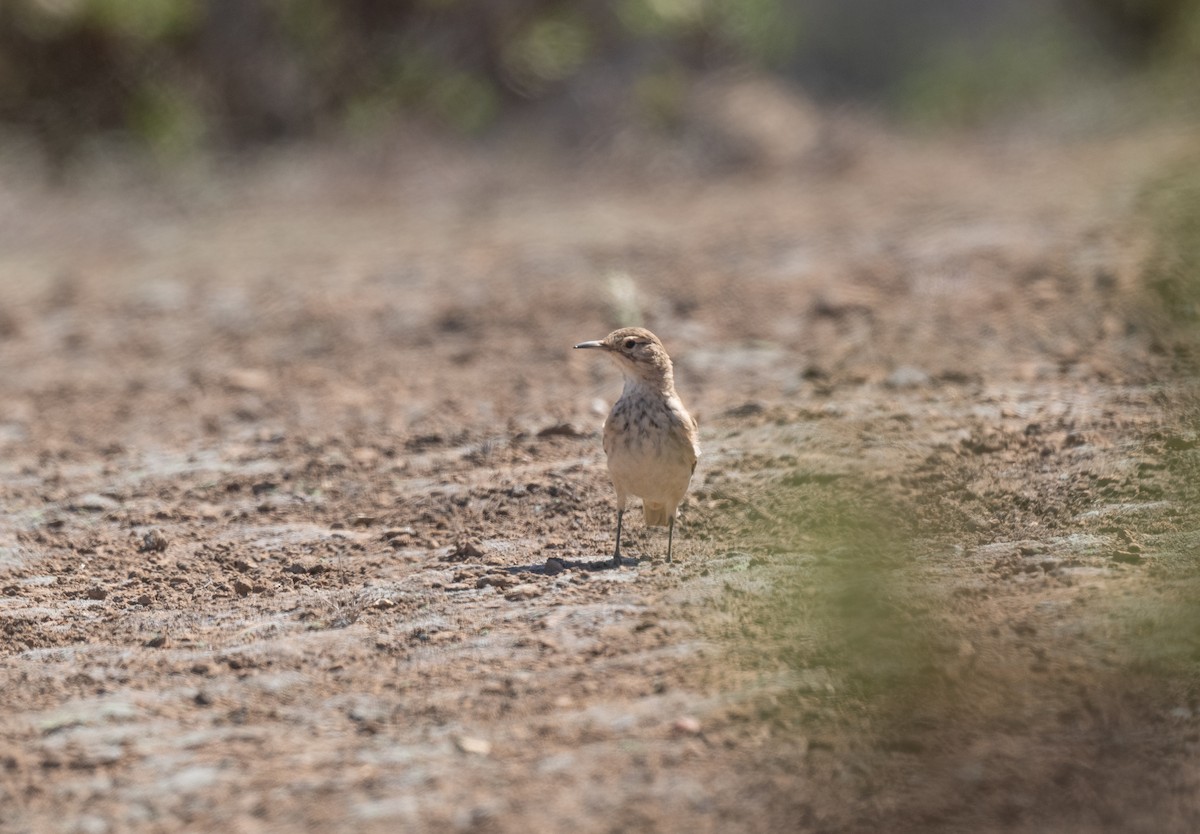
x: 555, y: 565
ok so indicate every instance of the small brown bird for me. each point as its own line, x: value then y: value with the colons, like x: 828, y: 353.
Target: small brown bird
x: 649, y: 437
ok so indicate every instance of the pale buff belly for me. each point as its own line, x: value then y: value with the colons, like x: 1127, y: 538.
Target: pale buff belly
x: 649, y: 454
x: 656, y: 473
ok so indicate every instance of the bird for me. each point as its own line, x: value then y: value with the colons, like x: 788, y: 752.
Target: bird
x: 650, y: 440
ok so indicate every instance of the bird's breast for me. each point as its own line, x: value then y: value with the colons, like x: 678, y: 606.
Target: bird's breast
x: 650, y: 443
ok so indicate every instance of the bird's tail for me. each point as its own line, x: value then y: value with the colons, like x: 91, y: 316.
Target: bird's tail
x: 656, y: 515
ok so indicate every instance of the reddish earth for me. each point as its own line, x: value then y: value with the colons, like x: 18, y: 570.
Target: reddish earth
x: 301, y: 487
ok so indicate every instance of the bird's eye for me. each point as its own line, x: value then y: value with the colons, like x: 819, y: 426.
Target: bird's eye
x: 630, y: 344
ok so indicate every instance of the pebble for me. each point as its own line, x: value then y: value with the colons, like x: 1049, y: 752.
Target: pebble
x: 192, y: 779
x: 153, y: 542
x: 93, y: 502
x: 526, y: 591
x: 561, y: 430
x: 91, y: 824
x: 906, y: 376
x: 466, y: 549
x: 473, y: 746
x: 247, y: 380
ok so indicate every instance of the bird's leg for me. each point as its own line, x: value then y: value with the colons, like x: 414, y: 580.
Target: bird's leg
x: 616, y: 559
x: 670, y: 535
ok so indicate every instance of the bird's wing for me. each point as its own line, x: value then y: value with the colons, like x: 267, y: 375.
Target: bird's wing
x: 691, y: 439
x: 692, y: 429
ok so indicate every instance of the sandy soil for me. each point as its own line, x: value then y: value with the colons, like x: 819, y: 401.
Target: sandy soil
x: 301, y: 487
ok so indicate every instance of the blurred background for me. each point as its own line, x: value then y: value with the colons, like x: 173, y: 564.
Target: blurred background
x: 178, y: 77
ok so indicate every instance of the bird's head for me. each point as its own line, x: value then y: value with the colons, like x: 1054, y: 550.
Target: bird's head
x: 638, y: 353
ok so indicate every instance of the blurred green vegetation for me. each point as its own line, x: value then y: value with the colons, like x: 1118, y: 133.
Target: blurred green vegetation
x: 964, y: 82
x: 1172, y: 206
x: 874, y: 613
x: 1049, y: 55
x: 864, y: 613
x: 1165, y: 631
x: 1160, y: 627
x: 865, y: 609
x: 178, y: 73
x: 181, y: 74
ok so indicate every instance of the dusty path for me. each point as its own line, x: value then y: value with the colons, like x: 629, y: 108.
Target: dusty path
x: 283, y: 461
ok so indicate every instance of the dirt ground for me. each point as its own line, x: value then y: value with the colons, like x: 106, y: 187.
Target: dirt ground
x: 301, y: 486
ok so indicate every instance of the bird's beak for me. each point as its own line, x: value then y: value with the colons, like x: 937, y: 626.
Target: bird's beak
x: 596, y: 344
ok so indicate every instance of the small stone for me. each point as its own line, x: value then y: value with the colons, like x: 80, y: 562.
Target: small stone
x: 153, y: 542
x: 156, y: 642
x: 95, y: 592
x: 561, y: 430
x: 368, y: 713
x: 906, y: 376
x: 526, y: 591
x: 365, y: 455
x: 144, y: 600
x: 554, y: 566
x: 466, y: 549
x: 208, y: 512
x: 241, y: 587
x: 193, y: 779
x: 93, y: 502
x: 686, y: 725
x: 92, y: 824
x: 383, y: 604
x: 247, y: 380
x: 749, y: 408
x: 473, y: 746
